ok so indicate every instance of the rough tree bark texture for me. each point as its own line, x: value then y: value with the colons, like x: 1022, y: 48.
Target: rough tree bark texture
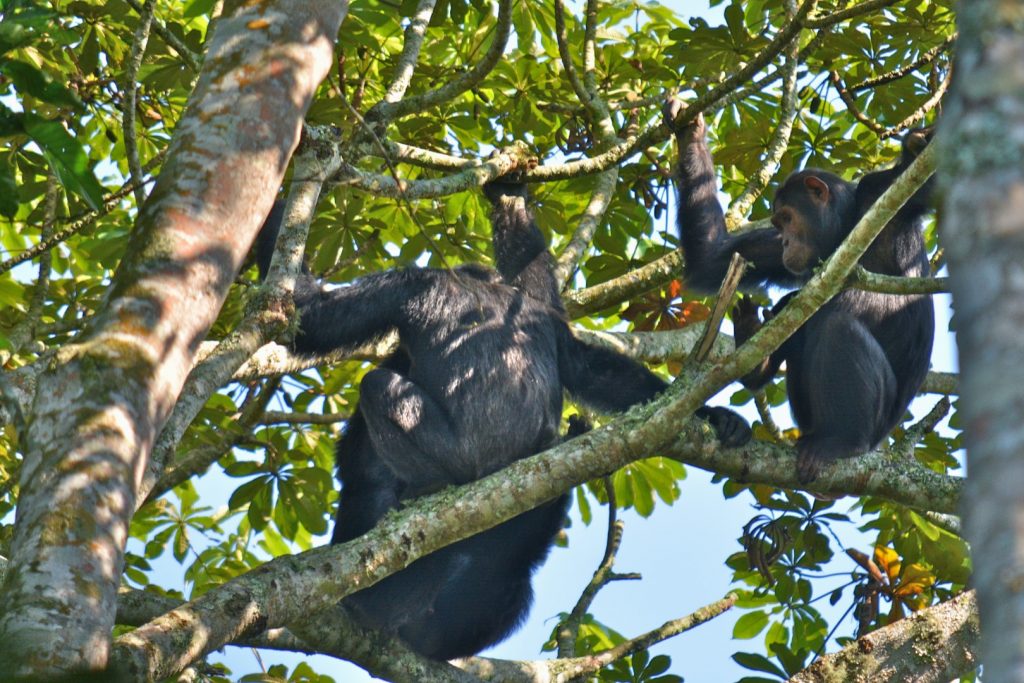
x: 983, y: 233
x: 934, y: 645
x: 99, y: 406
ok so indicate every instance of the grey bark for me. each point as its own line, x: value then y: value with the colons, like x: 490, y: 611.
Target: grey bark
x: 100, y: 404
x: 934, y: 645
x: 982, y: 139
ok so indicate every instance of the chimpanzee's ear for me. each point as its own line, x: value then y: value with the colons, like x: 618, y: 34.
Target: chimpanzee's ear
x: 817, y: 189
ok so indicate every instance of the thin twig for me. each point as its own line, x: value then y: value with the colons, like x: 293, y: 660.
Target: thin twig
x: 400, y: 184
x: 670, y: 629
x: 919, y: 114
x: 462, y: 82
x: 277, y: 417
x: 855, y: 11
x: 76, y: 225
x: 851, y: 104
x: 25, y: 331
x: 563, y: 52
x: 782, y: 39
x: 757, y: 183
x: 730, y: 283
x: 904, y: 445
x: 603, y: 575
x: 131, y: 92
x: 190, y: 59
x: 765, y: 413
x: 896, y: 74
x: 249, y: 414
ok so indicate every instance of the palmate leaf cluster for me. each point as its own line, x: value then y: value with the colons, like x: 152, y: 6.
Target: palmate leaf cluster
x: 62, y: 92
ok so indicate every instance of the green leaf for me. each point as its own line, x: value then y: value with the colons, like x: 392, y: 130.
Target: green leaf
x: 242, y: 468
x: 8, y: 191
x: 301, y: 503
x: 260, y: 508
x: 20, y: 29
x: 584, y: 506
x: 274, y: 543
x: 67, y: 158
x: 180, y: 549
x: 12, y: 292
x: 247, y: 491
x: 749, y: 625
x: 10, y: 122
x: 198, y: 8
x: 658, y: 665
x: 737, y: 27
x: 28, y: 79
x: 756, y: 662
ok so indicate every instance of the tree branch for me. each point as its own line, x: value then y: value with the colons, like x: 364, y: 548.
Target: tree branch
x: 99, y: 406
x: 849, y: 13
x: 896, y: 74
x: 199, y: 461
x: 406, y: 66
x: 934, y: 645
x: 569, y: 629
x: 568, y: 670
x: 757, y: 183
x: 192, y: 61
x: 461, y: 83
x: 138, y: 49
x: 76, y: 225
x: 318, y: 578
x: 861, y: 278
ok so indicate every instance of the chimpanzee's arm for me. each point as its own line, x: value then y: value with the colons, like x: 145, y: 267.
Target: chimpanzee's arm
x: 746, y: 322
x: 871, y: 186
x: 612, y: 382
x: 520, y: 250
x: 707, y: 245
x: 602, y: 378
x: 348, y: 316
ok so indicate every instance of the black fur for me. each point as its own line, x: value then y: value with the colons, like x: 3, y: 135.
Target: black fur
x: 476, y: 384
x: 855, y: 365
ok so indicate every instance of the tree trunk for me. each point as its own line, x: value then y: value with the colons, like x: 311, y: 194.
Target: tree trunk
x: 98, y: 408
x: 982, y: 142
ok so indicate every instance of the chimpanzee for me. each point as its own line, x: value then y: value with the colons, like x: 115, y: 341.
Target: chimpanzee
x: 476, y: 384
x: 855, y: 365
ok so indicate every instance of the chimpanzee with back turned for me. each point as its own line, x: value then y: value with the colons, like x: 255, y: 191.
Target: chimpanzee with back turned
x: 476, y: 384
x: 855, y: 365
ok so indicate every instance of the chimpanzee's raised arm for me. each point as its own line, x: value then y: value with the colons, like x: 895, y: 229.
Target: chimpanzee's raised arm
x: 520, y: 250
x: 872, y: 185
x: 707, y: 246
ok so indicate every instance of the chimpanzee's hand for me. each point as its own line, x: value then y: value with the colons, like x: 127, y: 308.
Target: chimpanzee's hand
x: 916, y: 140
x: 578, y: 426
x: 511, y: 184
x: 746, y: 320
x: 672, y: 111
